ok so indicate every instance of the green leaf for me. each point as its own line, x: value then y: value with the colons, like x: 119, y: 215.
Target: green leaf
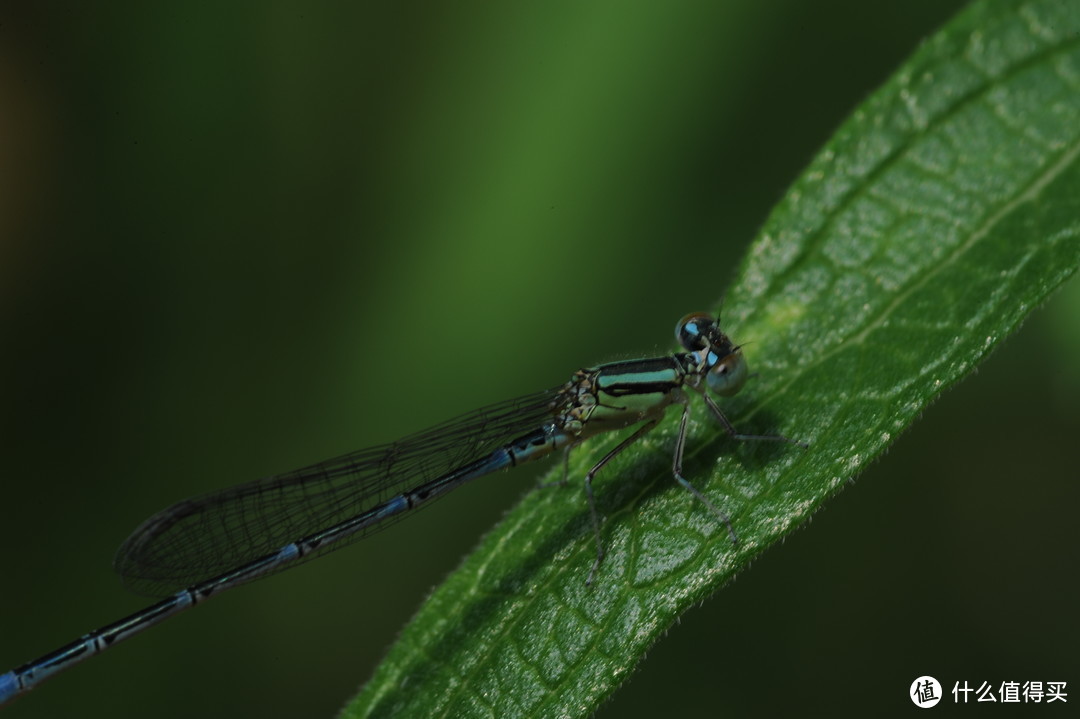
x: 941, y: 213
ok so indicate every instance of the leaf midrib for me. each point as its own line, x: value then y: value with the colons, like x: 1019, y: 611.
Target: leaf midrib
x: 813, y: 241
x: 1029, y: 193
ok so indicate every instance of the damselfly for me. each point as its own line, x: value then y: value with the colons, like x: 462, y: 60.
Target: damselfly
x: 200, y: 547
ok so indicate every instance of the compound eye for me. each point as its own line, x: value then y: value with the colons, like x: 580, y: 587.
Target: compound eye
x: 693, y: 330
x: 728, y: 376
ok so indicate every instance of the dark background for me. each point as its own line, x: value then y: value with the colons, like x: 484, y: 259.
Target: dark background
x: 237, y: 239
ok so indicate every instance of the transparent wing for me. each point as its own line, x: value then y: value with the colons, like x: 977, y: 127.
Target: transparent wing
x: 204, y: 537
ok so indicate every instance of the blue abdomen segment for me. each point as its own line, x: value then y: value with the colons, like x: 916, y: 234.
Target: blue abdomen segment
x: 9, y: 686
x: 526, y: 448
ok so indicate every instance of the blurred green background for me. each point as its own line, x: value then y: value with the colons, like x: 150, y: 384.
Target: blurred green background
x: 236, y: 239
